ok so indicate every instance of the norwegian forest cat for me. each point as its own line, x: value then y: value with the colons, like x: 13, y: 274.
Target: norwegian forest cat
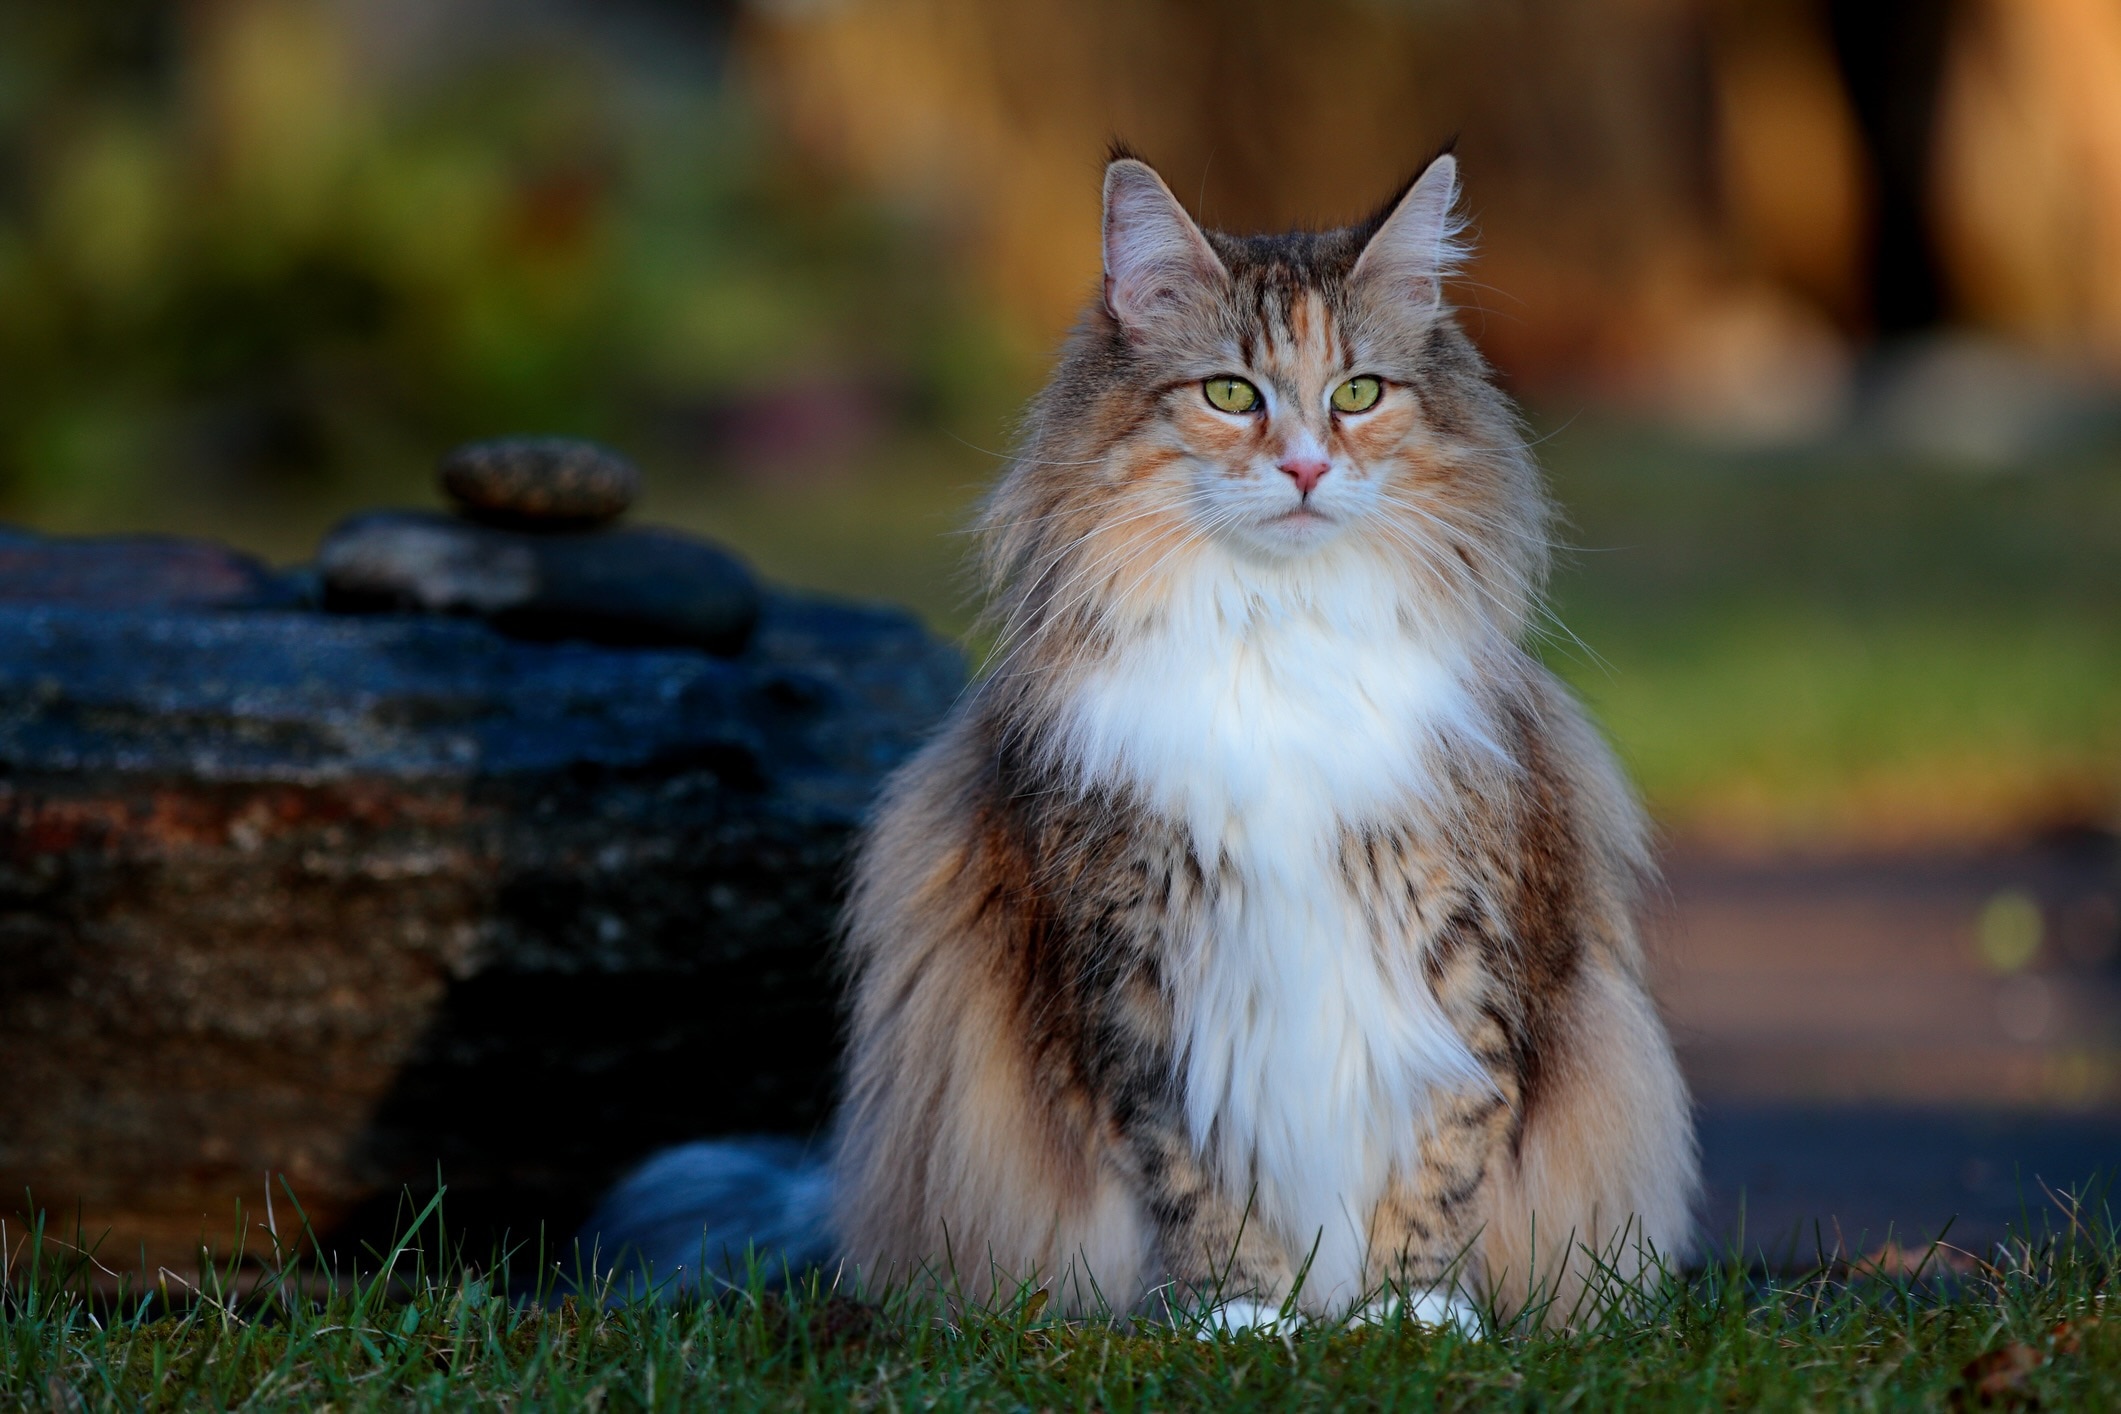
x: 1261, y: 932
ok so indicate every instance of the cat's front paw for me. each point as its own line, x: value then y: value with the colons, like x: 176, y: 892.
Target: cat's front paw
x: 1442, y: 1310
x: 1236, y: 1317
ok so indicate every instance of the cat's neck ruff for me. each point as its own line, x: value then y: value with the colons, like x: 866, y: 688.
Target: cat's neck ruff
x: 1268, y: 709
x: 1317, y: 684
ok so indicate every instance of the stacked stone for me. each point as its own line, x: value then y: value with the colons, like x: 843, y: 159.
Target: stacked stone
x: 534, y: 550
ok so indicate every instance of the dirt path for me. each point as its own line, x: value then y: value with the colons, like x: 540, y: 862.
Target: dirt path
x: 1898, y: 1042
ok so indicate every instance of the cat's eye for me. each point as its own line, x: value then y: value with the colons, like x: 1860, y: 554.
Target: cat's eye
x: 1358, y: 394
x: 1231, y: 394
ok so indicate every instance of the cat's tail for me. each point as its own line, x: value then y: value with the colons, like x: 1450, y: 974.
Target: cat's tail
x: 712, y: 1215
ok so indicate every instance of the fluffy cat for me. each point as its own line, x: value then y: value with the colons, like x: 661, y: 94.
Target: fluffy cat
x: 1267, y: 910
x: 1261, y: 930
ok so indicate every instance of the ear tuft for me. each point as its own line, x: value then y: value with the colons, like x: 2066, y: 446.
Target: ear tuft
x: 1156, y: 260
x: 1416, y: 247
x: 1121, y: 150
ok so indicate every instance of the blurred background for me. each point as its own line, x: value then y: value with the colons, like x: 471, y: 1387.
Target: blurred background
x: 1814, y: 306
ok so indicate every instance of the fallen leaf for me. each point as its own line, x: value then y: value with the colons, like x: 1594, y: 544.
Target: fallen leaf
x: 1999, y: 1375
x: 2068, y: 1336
x: 1894, y: 1260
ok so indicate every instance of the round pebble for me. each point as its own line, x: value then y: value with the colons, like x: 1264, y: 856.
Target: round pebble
x: 540, y: 482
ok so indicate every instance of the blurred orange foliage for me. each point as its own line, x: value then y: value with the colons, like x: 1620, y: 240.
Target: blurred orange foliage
x: 2028, y: 172
x: 1672, y: 198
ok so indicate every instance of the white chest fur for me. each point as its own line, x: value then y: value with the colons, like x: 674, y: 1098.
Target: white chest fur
x: 1266, y: 711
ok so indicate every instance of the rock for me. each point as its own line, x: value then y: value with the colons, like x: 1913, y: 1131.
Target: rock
x: 350, y: 897
x: 135, y: 571
x: 540, y: 483
x: 619, y: 586
x: 415, y: 561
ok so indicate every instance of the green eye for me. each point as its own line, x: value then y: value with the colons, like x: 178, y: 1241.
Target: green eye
x: 1358, y: 394
x: 1231, y: 394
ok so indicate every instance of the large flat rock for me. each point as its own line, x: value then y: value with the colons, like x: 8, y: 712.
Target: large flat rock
x: 351, y: 898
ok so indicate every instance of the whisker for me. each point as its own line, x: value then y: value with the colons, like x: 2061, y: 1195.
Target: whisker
x: 1092, y: 579
x: 1018, y: 458
x: 1538, y: 610
x: 1032, y: 576
x: 1475, y: 519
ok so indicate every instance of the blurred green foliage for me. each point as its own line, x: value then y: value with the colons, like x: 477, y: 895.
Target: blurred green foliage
x: 1845, y: 643
x: 251, y: 275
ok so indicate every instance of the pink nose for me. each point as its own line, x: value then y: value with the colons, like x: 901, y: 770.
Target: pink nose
x: 1306, y: 474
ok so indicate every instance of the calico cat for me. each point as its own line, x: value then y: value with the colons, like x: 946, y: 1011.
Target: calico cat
x: 1261, y: 931
x: 1267, y: 908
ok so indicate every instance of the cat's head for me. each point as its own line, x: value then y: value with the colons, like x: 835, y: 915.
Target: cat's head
x: 1267, y: 403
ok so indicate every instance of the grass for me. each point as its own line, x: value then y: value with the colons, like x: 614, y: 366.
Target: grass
x: 2026, y: 1326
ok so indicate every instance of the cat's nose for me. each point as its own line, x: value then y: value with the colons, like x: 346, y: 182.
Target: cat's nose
x: 1306, y: 472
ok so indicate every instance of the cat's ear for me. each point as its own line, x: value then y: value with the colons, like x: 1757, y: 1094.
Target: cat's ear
x: 1156, y: 259
x: 1415, y: 247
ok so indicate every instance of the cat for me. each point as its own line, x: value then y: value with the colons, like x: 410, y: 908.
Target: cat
x: 1260, y: 934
